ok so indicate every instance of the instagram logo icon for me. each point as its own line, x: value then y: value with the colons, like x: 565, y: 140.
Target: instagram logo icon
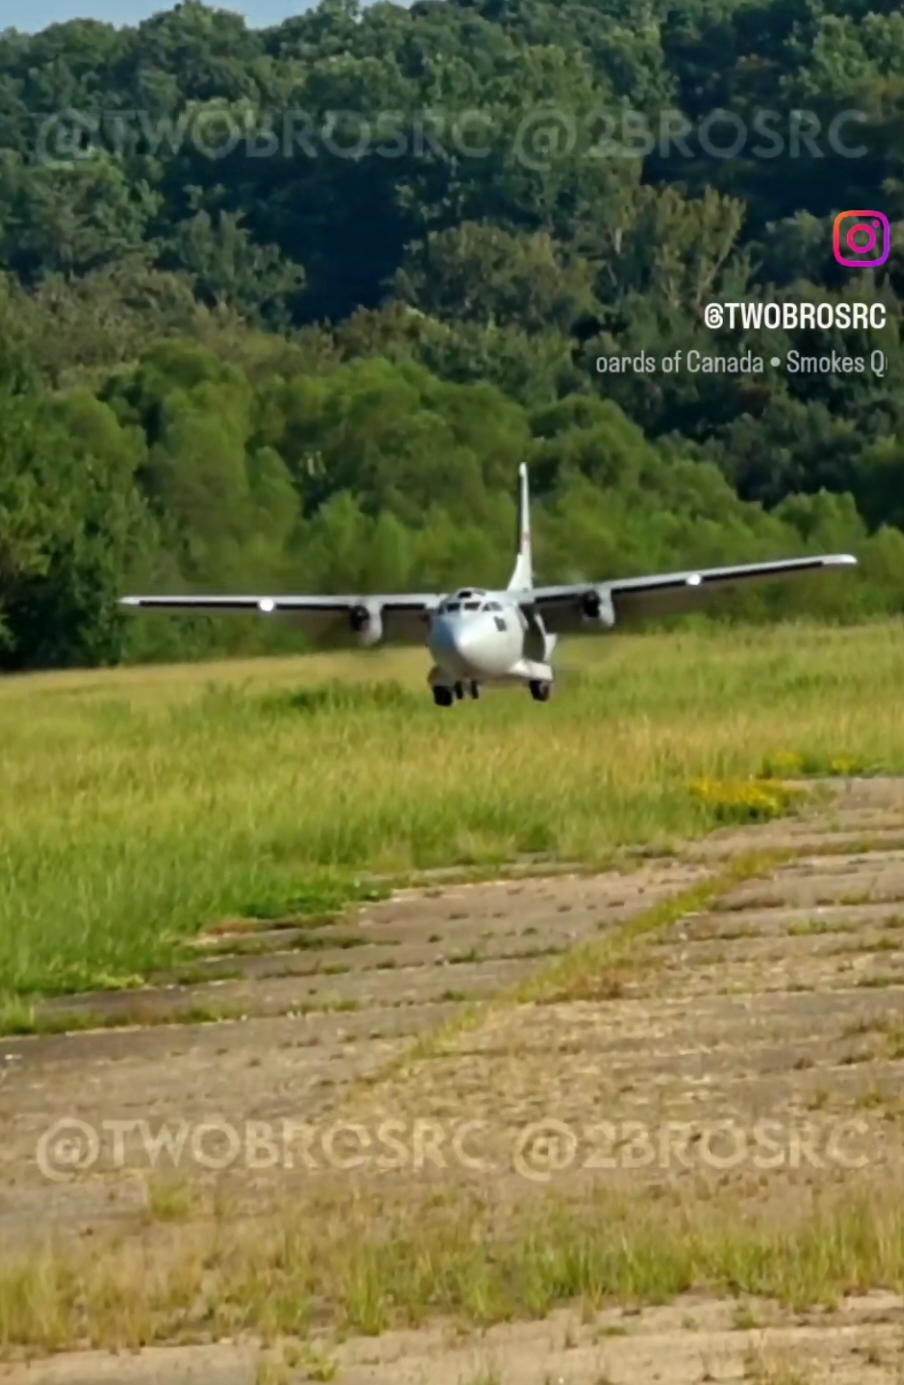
x: 861, y: 240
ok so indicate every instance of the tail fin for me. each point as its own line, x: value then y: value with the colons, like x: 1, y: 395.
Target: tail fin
x: 523, y: 575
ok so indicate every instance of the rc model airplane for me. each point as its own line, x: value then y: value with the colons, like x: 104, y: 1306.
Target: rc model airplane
x: 478, y: 637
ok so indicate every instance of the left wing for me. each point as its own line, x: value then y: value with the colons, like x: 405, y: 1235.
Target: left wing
x: 595, y: 605
x: 332, y: 619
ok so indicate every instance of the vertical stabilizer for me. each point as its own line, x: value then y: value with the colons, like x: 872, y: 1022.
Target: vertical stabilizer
x: 523, y: 575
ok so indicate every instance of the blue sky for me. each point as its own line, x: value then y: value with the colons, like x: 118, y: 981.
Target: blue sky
x: 37, y: 14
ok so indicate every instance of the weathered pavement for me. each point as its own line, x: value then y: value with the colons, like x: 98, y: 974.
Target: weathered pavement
x: 782, y: 1003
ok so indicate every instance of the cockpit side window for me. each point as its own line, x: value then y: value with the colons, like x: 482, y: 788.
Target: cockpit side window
x: 471, y: 605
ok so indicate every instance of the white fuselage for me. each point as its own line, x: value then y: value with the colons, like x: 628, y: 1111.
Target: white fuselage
x: 483, y: 637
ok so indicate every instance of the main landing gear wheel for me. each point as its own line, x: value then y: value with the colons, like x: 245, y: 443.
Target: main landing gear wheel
x: 443, y: 697
x: 540, y: 692
x: 459, y: 691
x: 475, y: 690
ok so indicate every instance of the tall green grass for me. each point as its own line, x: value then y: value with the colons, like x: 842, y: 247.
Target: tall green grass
x: 138, y: 805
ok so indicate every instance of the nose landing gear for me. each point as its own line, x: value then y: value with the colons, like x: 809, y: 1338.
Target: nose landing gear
x: 540, y: 690
x: 445, y: 696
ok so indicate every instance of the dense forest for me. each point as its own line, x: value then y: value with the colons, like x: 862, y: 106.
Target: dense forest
x: 285, y: 308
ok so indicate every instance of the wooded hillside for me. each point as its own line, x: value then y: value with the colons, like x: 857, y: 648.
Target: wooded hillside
x: 286, y: 308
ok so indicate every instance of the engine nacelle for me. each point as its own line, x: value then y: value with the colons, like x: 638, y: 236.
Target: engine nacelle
x: 367, y: 622
x: 597, y: 608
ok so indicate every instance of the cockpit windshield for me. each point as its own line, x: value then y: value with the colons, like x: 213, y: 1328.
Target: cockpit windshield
x: 466, y: 600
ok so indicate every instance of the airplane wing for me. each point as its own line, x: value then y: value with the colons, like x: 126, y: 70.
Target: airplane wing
x: 598, y: 605
x: 329, y: 619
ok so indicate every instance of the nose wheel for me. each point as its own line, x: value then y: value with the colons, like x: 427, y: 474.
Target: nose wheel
x: 444, y: 696
x: 540, y: 691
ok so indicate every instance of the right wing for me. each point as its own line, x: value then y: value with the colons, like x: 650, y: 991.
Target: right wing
x: 331, y: 619
x: 568, y: 609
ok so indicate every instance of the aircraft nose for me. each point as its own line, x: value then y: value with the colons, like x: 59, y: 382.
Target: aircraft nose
x: 465, y: 638
x: 454, y: 642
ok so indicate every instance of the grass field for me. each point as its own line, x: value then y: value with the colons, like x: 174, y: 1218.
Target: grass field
x: 139, y: 805
x: 755, y: 979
